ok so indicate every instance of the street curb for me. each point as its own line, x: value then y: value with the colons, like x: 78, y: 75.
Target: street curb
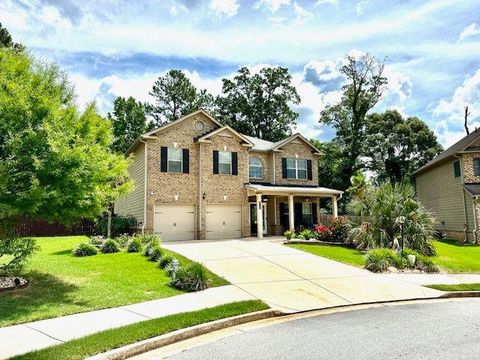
x: 460, y: 294
x: 141, y: 347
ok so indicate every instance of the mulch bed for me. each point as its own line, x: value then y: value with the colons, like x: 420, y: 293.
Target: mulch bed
x: 12, y: 283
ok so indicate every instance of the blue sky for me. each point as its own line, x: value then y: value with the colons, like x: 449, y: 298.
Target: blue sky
x: 116, y: 47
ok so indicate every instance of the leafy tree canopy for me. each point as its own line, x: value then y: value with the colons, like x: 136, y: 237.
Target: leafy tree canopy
x: 364, y: 88
x: 55, y: 162
x: 395, y: 147
x: 6, y: 40
x: 260, y: 104
x: 175, y: 96
x: 129, y: 121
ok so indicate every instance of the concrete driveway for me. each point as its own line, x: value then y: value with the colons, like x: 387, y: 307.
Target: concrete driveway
x: 292, y: 280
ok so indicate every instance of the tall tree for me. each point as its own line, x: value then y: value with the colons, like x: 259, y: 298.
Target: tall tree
x: 6, y: 40
x: 395, y: 147
x: 55, y: 161
x: 175, y: 96
x: 363, y: 90
x: 129, y: 121
x: 260, y: 104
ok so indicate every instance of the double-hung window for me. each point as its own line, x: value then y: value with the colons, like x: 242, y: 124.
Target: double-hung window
x: 296, y: 169
x: 224, y: 162
x: 255, y: 168
x: 174, y: 160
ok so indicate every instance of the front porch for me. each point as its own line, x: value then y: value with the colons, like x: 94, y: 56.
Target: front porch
x: 275, y: 209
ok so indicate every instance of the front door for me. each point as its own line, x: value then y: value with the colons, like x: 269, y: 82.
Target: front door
x: 253, y: 218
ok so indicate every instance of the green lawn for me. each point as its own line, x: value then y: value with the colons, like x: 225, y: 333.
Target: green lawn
x: 61, y: 284
x: 453, y: 256
x: 334, y: 252
x: 456, y: 257
x: 456, y: 287
x: 115, y: 338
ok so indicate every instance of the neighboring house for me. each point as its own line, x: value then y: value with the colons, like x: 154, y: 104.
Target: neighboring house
x: 198, y: 179
x: 449, y: 185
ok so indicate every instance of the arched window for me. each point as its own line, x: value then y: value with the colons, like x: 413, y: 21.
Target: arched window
x: 255, y: 168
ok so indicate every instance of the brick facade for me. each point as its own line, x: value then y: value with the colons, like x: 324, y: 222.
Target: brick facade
x: 201, y: 187
x: 468, y: 173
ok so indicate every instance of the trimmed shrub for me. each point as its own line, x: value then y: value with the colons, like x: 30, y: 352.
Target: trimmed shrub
x: 110, y: 247
x: 134, y: 246
x: 84, y: 249
x: 323, y: 233
x: 149, y: 238
x: 155, y: 253
x: 191, y: 278
x: 150, y: 245
x: 288, y: 234
x: 307, y: 234
x: 120, y: 225
x: 378, y: 260
x: 165, y: 261
x: 424, y: 263
x: 97, y: 241
x: 340, y: 228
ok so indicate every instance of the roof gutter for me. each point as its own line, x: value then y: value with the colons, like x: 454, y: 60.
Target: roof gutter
x: 144, y: 186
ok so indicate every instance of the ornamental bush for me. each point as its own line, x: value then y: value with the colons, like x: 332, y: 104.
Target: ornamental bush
x: 120, y: 225
x: 84, y: 249
x: 134, y: 246
x: 110, y: 247
x: 378, y: 260
x: 191, y: 278
x: 165, y: 261
x: 155, y: 253
x: 14, y: 253
x: 307, y: 234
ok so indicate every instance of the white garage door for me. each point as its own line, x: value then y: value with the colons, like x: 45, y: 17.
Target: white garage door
x: 174, y: 222
x: 224, y: 221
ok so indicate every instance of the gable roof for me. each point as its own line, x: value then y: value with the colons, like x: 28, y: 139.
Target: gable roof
x: 179, y: 120
x: 458, y: 147
x: 227, y: 128
x: 264, y: 145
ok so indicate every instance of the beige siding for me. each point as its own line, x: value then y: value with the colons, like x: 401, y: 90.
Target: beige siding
x: 133, y: 203
x: 441, y: 192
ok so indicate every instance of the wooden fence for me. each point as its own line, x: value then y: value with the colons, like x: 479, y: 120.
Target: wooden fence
x: 28, y: 227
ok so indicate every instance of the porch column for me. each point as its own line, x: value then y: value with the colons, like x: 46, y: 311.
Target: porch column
x: 259, y: 217
x: 334, y: 206
x: 291, y: 213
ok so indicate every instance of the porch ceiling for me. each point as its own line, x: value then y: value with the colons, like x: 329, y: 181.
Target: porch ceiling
x: 291, y: 190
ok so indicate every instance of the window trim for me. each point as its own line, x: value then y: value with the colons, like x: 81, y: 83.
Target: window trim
x: 230, y: 163
x: 181, y: 160
x: 255, y: 166
x: 297, y: 169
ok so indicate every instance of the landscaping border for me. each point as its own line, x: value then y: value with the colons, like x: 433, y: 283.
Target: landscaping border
x: 141, y: 347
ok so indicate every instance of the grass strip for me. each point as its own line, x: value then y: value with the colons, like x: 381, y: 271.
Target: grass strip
x: 115, y: 338
x: 456, y: 287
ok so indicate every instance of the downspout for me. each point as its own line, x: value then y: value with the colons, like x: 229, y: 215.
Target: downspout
x: 145, y: 187
x: 273, y: 167
x: 200, y: 190
x: 475, y: 199
x: 465, y: 215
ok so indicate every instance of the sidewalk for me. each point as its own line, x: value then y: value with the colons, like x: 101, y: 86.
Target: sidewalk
x: 19, y: 339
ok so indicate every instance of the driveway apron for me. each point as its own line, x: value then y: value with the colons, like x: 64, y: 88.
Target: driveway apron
x: 291, y: 280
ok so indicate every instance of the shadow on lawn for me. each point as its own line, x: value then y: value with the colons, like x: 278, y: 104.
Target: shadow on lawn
x: 44, y: 291
x: 63, y: 252
x: 457, y: 243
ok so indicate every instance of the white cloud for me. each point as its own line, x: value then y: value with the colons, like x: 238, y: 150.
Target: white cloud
x: 272, y: 5
x: 361, y: 5
x: 301, y: 13
x: 450, y: 112
x: 471, y: 30
x: 224, y: 7
x: 322, y: 2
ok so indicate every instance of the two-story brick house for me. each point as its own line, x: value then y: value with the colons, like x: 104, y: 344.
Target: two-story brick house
x: 449, y: 186
x: 198, y: 179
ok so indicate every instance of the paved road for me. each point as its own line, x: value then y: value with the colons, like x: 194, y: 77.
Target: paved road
x: 444, y: 330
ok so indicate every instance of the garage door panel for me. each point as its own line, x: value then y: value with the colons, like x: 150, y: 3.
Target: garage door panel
x: 175, y: 222
x: 224, y: 221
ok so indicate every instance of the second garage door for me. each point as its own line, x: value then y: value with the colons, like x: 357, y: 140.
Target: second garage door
x: 224, y: 221
x: 174, y: 222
